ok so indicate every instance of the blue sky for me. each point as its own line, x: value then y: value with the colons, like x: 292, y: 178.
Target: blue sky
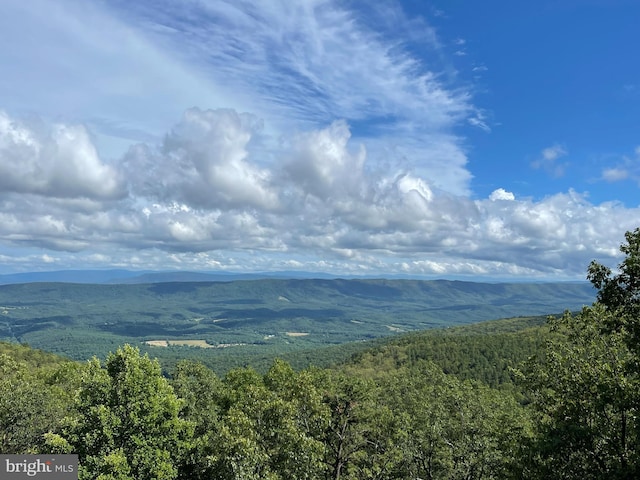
x: 471, y: 139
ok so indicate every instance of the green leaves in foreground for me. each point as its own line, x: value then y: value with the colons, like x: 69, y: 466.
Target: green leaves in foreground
x: 125, y: 423
x: 585, y: 386
x: 586, y: 392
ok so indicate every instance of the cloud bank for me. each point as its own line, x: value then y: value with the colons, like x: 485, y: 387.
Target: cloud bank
x: 205, y: 198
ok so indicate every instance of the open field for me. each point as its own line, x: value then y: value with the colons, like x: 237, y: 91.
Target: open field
x: 184, y: 343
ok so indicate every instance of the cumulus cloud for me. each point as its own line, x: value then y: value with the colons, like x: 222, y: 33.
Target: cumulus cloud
x: 322, y: 165
x: 216, y: 193
x: 60, y: 161
x: 501, y: 194
x: 305, y: 66
x: 203, y: 161
x: 351, y: 159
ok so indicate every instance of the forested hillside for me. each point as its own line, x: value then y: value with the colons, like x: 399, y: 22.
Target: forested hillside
x: 487, y: 351
x: 227, y: 324
x: 507, y: 399
x: 314, y: 423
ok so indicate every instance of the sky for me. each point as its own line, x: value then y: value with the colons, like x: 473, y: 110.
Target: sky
x: 441, y: 139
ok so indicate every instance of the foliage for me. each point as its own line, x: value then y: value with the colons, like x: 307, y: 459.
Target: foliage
x: 270, y: 427
x: 584, y: 384
x: 585, y: 397
x: 343, y: 423
x: 456, y: 429
x: 620, y: 293
x: 34, y: 396
x: 125, y: 423
x: 467, y: 352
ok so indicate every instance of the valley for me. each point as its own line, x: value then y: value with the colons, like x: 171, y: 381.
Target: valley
x: 239, y: 322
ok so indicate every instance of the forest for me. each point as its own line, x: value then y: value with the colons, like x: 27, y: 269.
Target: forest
x: 511, y: 399
x: 227, y: 324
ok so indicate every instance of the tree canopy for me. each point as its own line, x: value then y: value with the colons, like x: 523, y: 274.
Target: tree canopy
x: 436, y: 406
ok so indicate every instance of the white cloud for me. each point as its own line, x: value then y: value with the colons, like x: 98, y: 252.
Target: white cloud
x: 77, y: 62
x: 501, y: 194
x: 203, y: 161
x: 548, y: 160
x: 306, y: 65
x: 48, y: 258
x: 615, y: 174
x: 626, y: 168
x: 322, y: 165
x: 349, y: 160
x: 479, y: 120
x: 207, y: 199
x: 59, y: 161
x: 553, y: 153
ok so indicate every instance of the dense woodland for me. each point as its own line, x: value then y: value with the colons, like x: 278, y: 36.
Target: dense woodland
x: 510, y: 399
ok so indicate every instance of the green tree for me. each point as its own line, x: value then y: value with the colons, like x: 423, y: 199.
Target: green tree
x: 620, y: 293
x: 269, y: 427
x: 204, y: 396
x: 454, y: 428
x: 126, y: 423
x: 586, y: 401
x: 345, y: 439
x: 364, y: 437
x: 584, y: 385
x: 33, y: 401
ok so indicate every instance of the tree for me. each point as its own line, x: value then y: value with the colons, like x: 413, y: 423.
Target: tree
x: 350, y: 402
x: 126, y: 423
x: 620, y: 293
x: 33, y: 400
x: 269, y: 427
x: 584, y: 385
x: 204, y: 395
x: 580, y: 386
x: 454, y: 428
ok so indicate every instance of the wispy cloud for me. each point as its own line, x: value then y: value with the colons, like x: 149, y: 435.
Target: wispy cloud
x: 548, y: 160
x: 129, y: 69
x: 79, y: 63
x: 308, y: 64
x: 628, y: 167
x: 615, y: 174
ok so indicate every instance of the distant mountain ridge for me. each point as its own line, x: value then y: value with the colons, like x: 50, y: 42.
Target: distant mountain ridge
x: 121, y: 276
x: 129, y: 277
x: 246, y: 317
